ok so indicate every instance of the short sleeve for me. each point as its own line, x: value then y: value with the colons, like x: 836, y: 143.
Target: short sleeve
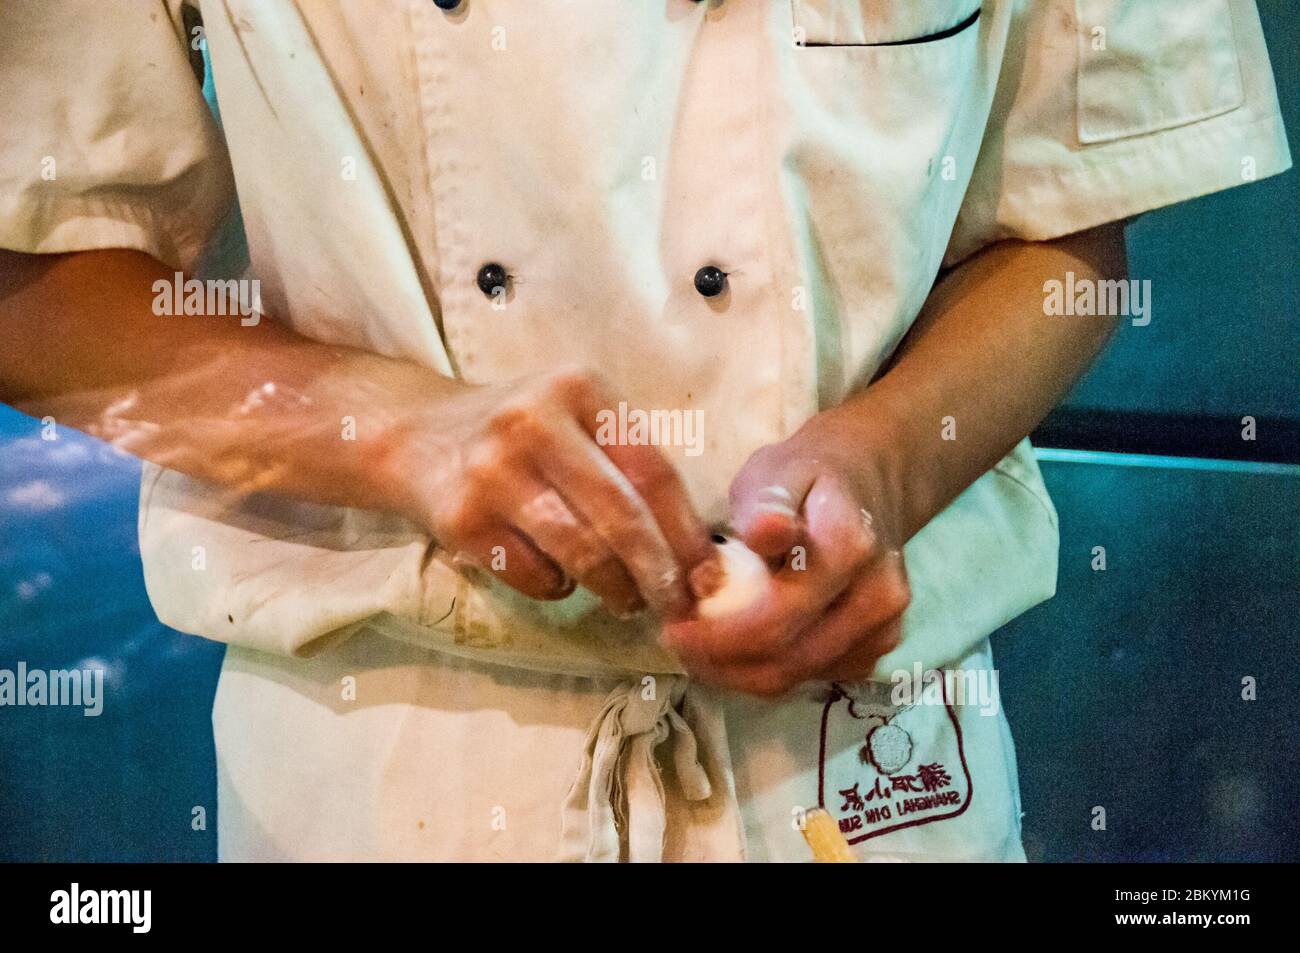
x: 106, y: 140
x: 1108, y: 108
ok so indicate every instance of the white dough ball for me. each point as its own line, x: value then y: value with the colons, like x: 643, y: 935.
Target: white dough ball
x: 745, y: 576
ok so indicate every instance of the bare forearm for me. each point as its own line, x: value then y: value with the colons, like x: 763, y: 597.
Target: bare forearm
x: 980, y: 368
x: 246, y: 407
x: 510, y: 470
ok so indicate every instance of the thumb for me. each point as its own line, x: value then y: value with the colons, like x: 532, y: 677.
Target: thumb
x: 765, y: 511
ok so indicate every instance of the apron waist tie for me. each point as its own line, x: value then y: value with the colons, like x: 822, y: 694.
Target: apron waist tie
x: 619, y: 789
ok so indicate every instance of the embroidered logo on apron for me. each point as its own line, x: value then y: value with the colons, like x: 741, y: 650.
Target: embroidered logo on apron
x: 883, y: 768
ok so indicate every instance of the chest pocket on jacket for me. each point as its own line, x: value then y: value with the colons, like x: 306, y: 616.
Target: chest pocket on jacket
x: 880, y: 22
x: 1148, y: 66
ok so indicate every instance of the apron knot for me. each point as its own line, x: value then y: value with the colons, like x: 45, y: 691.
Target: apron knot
x: 619, y: 790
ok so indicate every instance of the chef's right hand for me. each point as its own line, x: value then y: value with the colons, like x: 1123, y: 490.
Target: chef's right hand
x: 510, y: 478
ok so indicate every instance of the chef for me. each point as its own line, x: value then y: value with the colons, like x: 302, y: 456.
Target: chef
x: 460, y: 625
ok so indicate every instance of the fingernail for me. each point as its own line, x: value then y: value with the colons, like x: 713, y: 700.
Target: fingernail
x: 706, y: 578
x: 777, y: 509
x: 775, y: 492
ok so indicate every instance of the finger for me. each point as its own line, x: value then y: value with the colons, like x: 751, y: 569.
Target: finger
x: 839, y: 545
x: 861, y: 661
x: 542, y: 515
x: 658, y: 483
x: 597, y: 491
x: 764, y: 680
x: 859, y: 627
x: 655, y: 480
x: 871, y: 624
x: 500, y: 550
x: 765, y: 512
x: 686, y: 640
x: 839, y: 535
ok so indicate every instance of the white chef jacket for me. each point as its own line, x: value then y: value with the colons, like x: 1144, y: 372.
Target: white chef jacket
x: 829, y: 155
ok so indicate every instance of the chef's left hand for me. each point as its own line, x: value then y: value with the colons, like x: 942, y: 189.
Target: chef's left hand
x: 818, y: 507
